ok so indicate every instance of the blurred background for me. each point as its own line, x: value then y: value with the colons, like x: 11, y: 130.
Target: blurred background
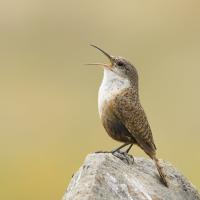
x: 48, y: 100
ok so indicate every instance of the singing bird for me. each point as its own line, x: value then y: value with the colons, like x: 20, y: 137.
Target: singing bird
x: 120, y: 110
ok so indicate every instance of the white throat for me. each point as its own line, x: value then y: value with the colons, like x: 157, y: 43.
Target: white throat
x: 111, y: 85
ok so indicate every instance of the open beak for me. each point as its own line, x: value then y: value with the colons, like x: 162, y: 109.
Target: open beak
x: 109, y: 66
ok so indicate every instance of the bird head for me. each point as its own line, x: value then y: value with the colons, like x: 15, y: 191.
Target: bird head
x: 118, y: 65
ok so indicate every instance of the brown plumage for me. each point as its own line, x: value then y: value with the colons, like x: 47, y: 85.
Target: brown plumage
x: 126, y: 121
x: 120, y: 110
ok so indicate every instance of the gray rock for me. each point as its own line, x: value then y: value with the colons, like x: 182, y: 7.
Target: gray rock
x: 106, y: 177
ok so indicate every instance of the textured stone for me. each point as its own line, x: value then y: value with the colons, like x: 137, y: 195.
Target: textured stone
x: 106, y: 177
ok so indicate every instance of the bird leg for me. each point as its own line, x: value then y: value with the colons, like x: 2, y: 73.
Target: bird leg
x: 129, y: 148
x: 118, y: 149
x: 123, y: 155
x: 122, y: 146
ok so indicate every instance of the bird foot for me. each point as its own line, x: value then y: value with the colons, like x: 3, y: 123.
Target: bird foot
x: 124, y: 156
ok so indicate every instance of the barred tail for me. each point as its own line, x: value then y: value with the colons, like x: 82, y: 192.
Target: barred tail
x: 160, y: 170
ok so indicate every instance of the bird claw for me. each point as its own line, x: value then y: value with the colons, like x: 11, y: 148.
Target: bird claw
x: 124, y: 156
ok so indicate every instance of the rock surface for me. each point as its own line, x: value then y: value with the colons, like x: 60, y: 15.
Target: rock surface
x: 106, y: 177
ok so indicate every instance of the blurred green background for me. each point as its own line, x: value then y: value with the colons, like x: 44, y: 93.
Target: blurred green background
x: 48, y: 100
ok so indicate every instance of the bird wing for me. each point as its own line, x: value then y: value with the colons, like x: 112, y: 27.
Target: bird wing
x: 129, y: 111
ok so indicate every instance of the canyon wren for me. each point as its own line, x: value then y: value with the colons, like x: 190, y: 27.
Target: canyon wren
x: 120, y: 110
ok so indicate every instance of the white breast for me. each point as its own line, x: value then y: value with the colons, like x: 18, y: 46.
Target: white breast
x: 111, y: 85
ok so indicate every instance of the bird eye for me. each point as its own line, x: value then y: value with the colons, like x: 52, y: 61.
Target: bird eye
x: 120, y: 63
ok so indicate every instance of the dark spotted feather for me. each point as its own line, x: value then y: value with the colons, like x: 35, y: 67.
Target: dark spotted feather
x: 128, y: 110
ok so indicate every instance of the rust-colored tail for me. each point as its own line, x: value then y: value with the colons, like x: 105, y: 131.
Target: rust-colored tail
x: 160, y: 170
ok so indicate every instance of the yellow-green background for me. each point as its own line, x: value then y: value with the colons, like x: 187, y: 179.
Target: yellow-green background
x: 48, y: 99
